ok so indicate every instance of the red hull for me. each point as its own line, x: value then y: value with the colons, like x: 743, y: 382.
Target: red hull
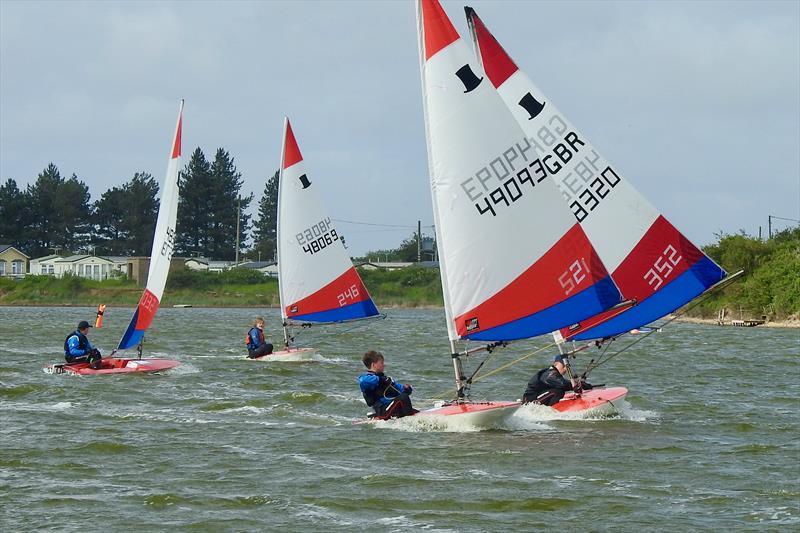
x: 594, y: 399
x: 113, y: 365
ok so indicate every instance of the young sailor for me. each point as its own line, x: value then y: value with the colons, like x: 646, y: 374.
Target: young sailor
x: 256, y: 343
x: 388, y: 398
x: 78, y: 349
x: 548, y: 385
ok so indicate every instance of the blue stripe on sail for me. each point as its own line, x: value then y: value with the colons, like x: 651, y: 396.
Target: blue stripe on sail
x: 363, y: 309
x: 132, y: 336
x: 678, y: 292
x: 588, y: 302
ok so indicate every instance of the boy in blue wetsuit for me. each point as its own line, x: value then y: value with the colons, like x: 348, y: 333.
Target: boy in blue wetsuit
x: 257, y: 344
x: 78, y: 349
x: 387, y: 398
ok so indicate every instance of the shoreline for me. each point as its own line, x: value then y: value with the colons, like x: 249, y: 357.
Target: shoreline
x: 792, y: 322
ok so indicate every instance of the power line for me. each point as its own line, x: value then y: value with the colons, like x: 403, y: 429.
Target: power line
x: 374, y: 224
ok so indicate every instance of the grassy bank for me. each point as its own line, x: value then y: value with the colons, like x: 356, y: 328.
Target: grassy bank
x: 235, y: 288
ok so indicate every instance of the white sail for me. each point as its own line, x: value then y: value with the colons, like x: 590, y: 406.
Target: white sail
x: 317, y: 280
x: 515, y: 263
x: 163, y: 245
x: 651, y: 262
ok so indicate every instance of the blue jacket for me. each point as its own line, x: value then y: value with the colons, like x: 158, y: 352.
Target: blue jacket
x: 379, y: 388
x: 77, y: 344
x: 255, y: 337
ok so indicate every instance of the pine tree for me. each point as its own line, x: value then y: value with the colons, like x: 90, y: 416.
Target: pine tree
x: 15, y: 216
x: 125, y: 218
x: 225, y: 204
x: 141, y: 199
x: 265, y: 228
x: 60, y: 213
x: 194, y: 206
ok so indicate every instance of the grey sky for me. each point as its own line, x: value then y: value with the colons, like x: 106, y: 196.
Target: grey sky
x: 698, y: 103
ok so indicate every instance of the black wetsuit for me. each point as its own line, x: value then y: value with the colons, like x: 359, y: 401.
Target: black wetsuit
x: 547, y: 387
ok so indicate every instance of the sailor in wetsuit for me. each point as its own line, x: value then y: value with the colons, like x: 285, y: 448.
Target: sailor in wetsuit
x: 548, y: 385
x: 78, y: 349
x: 387, y: 398
x: 256, y: 343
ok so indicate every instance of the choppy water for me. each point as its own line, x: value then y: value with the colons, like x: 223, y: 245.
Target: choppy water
x: 708, y: 438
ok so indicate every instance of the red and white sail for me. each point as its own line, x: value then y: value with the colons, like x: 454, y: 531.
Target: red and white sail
x: 163, y: 245
x: 651, y: 262
x: 316, y: 278
x: 515, y: 263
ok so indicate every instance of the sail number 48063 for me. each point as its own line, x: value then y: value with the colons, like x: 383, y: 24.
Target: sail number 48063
x: 662, y: 267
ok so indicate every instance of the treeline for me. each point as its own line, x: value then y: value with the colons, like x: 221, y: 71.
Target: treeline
x: 56, y: 213
x: 771, y: 283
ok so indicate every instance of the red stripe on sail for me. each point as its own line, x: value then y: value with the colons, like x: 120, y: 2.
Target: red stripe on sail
x: 148, y: 305
x: 566, y: 269
x: 176, y: 146
x: 497, y: 64
x: 345, y: 290
x: 659, y: 257
x: 437, y: 28
x: 291, y: 152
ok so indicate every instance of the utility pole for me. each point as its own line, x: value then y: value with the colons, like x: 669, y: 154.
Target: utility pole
x: 419, y: 241
x: 238, y: 217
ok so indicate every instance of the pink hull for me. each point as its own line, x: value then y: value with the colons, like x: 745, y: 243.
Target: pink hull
x: 300, y: 352
x: 113, y: 365
x: 467, y: 408
x: 476, y: 413
x: 590, y: 399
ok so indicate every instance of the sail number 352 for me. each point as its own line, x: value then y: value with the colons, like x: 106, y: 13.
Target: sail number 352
x: 317, y: 237
x: 662, y: 267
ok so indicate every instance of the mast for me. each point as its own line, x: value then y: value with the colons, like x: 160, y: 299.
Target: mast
x: 281, y: 299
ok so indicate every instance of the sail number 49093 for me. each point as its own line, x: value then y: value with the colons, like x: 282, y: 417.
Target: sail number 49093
x: 317, y: 237
x: 662, y: 267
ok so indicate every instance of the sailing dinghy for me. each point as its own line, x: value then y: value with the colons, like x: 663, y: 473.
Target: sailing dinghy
x: 514, y: 261
x: 656, y: 268
x: 317, y: 282
x: 160, y: 256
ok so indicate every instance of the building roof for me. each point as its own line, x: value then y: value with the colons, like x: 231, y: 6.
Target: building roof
x: 4, y: 247
x: 75, y: 258
x: 47, y: 257
x: 257, y: 264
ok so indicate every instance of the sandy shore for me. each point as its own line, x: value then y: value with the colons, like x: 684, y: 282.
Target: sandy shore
x: 792, y: 322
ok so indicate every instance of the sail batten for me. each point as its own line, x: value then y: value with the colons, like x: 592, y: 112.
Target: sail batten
x: 509, y: 248
x: 163, y: 245
x: 316, y: 278
x: 650, y: 261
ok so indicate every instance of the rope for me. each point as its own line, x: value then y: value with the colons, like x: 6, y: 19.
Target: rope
x: 358, y: 324
x: 697, y: 302
x: 473, y: 378
x: 591, y: 366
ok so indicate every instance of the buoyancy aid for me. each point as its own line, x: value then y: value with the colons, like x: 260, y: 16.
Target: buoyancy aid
x: 384, y: 389
x: 83, y: 342
x: 259, y: 339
